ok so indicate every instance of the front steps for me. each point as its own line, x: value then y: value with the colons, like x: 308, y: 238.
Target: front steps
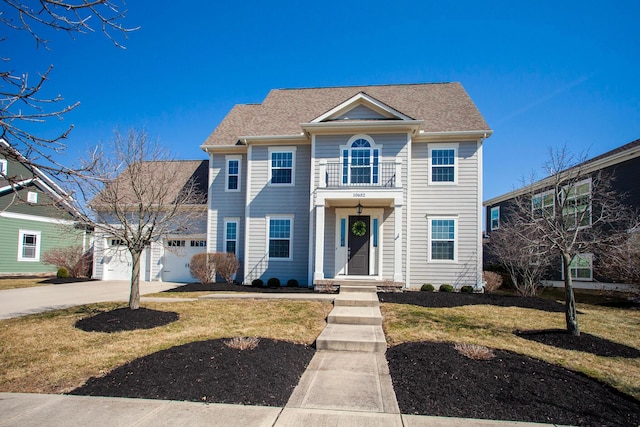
x: 355, y: 323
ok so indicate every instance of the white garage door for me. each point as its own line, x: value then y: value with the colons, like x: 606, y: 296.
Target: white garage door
x: 117, y: 262
x: 177, y: 254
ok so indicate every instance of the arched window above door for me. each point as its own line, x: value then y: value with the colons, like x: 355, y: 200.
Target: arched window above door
x: 360, y: 161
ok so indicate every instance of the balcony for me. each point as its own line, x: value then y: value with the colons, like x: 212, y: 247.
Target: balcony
x: 340, y: 175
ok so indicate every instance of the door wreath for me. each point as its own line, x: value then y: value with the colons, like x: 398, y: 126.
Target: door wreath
x: 359, y: 228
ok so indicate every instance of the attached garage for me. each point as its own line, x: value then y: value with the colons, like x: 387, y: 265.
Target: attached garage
x: 177, y: 255
x: 118, y: 264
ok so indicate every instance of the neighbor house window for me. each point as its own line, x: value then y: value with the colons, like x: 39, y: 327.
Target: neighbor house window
x: 495, y: 217
x: 280, y: 238
x: 543, y: 205
x: 3, y: 166
x: 231, y: 236
x: 442, y: 239
x: 233, y: 174
x: 577, y: 204
x: 443, y: 165
x: 32, y: 197
x: 581, y: 267
x: 282, y: 166
x: 28, y: 245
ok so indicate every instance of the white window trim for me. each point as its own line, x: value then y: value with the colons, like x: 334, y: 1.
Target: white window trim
x: 455, y: 239
x: 285, y: 149
x: 227, y: 159
x: 541, y: 195
x: 3, y: 166
x: 494, y: 208
x: 224, y: 238
x: 453, y: 147
x: 32, y: 197
x: 564, y: 203
x: 373, y: 146
x: 291, y: 233
x: 576, y: 279
x: 21, y: 234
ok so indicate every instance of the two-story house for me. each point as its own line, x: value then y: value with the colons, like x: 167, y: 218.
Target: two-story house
x: 35, y: 216
x: 621, y: 164
x: 382, y: 183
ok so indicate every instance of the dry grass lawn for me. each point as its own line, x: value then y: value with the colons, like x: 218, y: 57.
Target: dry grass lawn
x: 45, y: 353
x: 21, y: 283
x: 493, y: 327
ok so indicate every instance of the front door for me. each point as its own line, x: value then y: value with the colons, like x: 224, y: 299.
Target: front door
x: 359, y: 233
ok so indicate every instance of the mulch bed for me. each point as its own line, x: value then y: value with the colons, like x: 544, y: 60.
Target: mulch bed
x: 434, y: 379
x: 209, y: 371
x: 233, y: 287
x: 429, y: 378
x: 450, y: 299
x: 125, y: 319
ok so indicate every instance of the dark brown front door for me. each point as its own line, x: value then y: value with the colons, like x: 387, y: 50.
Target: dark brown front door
x: 359, y: 247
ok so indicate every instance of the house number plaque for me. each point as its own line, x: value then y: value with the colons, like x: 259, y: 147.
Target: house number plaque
x: 359, y: 195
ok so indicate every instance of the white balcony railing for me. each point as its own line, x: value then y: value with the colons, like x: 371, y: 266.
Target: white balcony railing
x: 340, y: 175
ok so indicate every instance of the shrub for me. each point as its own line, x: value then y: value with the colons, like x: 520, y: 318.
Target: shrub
x: 62, y: 273
x: 292, y: 283
x: 273, y: 282
x: 427, y: 287
x: 492, y: 281
x: 203, y: 268
x: 475, y: 352
x: 467, y: 289
x: 226, y: 265
x: 72, y: 258
x: 446, y: 288
x: 242, y: 343
x: 257, y: 283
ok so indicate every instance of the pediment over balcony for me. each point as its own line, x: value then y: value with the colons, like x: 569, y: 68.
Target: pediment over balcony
x: 361, y: 107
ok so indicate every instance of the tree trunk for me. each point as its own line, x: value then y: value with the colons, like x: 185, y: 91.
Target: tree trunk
x: 570, y: 300
x: 134, y: 296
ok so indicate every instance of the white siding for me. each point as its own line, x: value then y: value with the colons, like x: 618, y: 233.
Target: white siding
x: 458, y: 201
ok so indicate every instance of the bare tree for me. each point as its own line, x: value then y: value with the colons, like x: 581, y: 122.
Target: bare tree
x: 21, y: 103
x: 620, y: 261
x: 136, y: 198
x: 519, y: 252
x: 573, y: 211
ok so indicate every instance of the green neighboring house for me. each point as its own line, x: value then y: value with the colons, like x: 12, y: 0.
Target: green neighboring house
x: 34, y: 217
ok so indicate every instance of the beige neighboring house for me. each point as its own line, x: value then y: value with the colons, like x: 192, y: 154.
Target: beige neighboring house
x: 321, y: 185
x: 167, y: 258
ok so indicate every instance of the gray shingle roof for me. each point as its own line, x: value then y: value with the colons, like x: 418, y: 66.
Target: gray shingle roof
x: 444, y: 107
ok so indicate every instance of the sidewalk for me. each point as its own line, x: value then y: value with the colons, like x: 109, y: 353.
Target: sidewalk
x: 22, y: 409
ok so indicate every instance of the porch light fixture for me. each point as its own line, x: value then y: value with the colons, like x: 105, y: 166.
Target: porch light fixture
x: 359, y: 208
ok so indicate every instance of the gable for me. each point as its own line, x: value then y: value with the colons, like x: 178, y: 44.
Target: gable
x: 361, y: 112
x: 361, y: 107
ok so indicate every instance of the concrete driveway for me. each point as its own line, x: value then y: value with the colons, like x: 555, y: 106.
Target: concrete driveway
x: 20, y: 302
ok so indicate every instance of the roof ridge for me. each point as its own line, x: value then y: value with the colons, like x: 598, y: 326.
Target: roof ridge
x: 366, y: 85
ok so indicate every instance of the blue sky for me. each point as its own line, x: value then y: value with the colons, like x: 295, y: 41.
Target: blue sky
x: 543, y: 74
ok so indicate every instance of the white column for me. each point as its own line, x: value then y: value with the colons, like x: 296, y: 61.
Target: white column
x: 319, y: 264
x: 397, y: 244
x: 322, y: 174
x: 398, y: 173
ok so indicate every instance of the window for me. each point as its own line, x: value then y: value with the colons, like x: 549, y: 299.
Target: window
x: 28, y: 245
x: 343, y: 231
x: 360, y: 161
x: 443, y: 165
x: 543, y: 205
x: 116, y: 242
x: 577, y: 204
x: 230, y: 236
x: 581, y: 267
x: 32, y: 197
x: 495, y: 217
x: 442, y: 239
x: 3, y: 166
x: 281, y: 170
x: 176, y: 243
x: 375, y: 232
x: 198, y: 243
x: 233, y: 174
x: 280, y: 238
